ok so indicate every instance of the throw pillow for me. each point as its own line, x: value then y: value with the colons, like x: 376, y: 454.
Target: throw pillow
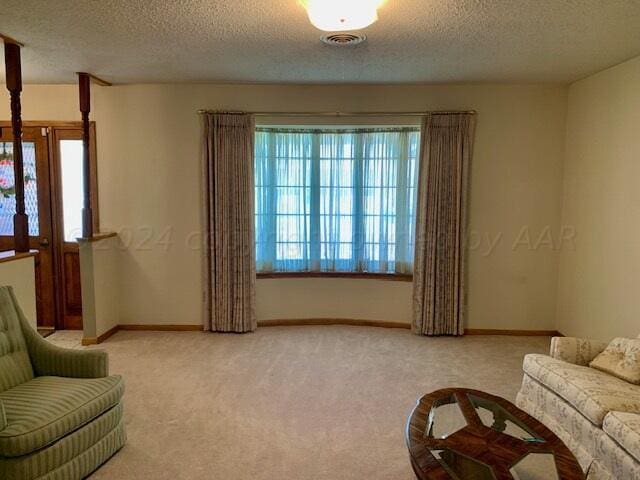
x: 621, y: 358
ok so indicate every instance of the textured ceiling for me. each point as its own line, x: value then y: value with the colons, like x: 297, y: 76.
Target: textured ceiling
x: 271, y: 41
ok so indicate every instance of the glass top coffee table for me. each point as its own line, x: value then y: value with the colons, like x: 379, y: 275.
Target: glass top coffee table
x: 464, y: 434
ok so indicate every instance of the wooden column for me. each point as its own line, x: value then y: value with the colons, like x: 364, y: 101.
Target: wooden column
x: 84, y: 82
x: 14, y: 85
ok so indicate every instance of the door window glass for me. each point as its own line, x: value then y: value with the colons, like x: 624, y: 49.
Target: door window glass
x: 72, y: 170
x: 7, y: 188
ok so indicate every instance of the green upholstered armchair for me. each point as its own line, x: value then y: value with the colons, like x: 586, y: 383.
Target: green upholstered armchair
x: 60, y: 411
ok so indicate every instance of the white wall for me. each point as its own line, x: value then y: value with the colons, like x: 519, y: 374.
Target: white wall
x: 20, y: 274
x: 598, y: 287
x: 149, y: 174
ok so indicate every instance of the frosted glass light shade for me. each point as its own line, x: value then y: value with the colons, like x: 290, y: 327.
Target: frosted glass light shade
x: 341, y: 15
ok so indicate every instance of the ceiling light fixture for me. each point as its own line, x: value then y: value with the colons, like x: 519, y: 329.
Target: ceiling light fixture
x: 342, y: 15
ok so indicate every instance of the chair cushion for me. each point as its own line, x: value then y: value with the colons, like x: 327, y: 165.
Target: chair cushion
x: 67, y: 450
x: 624, y: 428
x: 621, y: 359
x: 592, y: 392
x: 15, y: 365
x: 45, y: 409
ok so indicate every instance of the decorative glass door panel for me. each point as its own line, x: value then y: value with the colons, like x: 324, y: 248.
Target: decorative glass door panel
x: 7, y: 188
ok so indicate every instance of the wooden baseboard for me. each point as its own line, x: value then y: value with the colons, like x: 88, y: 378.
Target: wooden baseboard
x: 108, y: 333
x: 513, y: 333
x: 162, y: 328
x: 385, y: 324
x: 301, y: 322
x: 46, y: 331
x: 100, y: 338
x: 140, y: 328
x: 298, y: 322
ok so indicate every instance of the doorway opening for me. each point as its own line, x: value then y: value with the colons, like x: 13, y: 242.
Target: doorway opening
x: 53, y: 179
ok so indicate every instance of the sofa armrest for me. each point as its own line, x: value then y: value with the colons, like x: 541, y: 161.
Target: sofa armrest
x: 578, y: 351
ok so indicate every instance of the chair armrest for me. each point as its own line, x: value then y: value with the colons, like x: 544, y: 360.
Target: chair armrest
x: 3, y: 417
x: 49, y: 359
x: 578, y: 351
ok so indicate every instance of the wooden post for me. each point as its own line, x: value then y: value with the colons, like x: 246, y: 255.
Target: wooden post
x: 14, y: 85
x: 84, y: 83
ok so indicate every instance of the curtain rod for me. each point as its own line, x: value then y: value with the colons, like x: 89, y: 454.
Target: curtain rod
x: 342, y: 114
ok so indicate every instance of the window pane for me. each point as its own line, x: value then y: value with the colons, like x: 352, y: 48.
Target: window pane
x: 7, y: 188
x: 72, y: 168
x: 336, y: 200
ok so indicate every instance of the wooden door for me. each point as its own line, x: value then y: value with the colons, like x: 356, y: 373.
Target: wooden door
x: 67, y: 185
x: 38, y: 208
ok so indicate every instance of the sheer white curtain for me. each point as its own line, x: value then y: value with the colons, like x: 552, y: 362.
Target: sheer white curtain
x: 336, y: 200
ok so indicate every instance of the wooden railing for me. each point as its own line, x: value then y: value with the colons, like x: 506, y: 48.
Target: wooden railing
x: 14, y: 85
x: 84, y: 88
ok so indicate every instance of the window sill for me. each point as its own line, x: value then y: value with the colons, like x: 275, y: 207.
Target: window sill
x: 393, y: 277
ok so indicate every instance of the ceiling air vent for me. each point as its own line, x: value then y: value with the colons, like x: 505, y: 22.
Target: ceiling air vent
x: 343, y: 39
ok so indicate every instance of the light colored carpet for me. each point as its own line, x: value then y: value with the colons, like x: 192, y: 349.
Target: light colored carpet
x: 289, y: 402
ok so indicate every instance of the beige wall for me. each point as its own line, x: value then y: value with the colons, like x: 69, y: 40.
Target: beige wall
x: 598, y: 286
x: 20, y: 275
x: 334, y: 298
x: 101, y: 291
x: 149, y: 174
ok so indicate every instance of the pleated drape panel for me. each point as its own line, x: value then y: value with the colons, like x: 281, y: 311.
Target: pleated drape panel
x: 439, y: 288
x: 229, y: 260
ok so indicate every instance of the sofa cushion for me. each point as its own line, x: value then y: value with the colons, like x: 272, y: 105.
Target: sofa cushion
x: 624, y: 428
x: 621, y: 359
x: 592, y: 392
x: 45, y: 409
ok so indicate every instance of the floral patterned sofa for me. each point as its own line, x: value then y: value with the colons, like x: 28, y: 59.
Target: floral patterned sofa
x: 596, y: 414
